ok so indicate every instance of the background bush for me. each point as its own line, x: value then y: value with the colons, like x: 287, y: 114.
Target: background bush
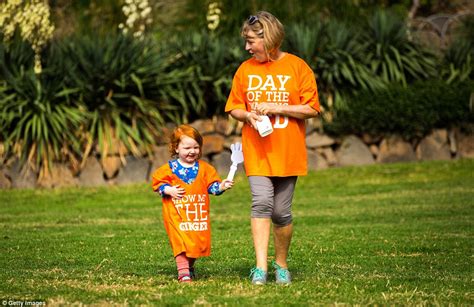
x: 39, y: 118
x: 212, y: 61
x: 122, y: 83
x: 408, y: 111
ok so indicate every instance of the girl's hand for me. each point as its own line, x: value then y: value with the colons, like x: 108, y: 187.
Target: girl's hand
x: 226, y: 184
x: 175, y: 191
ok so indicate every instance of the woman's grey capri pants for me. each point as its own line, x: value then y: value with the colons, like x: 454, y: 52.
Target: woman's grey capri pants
x: 272, y: 198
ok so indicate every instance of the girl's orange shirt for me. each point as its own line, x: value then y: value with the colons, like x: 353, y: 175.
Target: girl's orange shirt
x: 288, y: 81
x: 187, y: 220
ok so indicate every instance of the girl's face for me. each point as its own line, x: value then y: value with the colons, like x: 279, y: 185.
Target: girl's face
x: 254, y: 45
x: 188, y: 150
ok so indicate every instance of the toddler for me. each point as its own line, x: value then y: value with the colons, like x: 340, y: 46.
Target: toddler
x: 185, y: 183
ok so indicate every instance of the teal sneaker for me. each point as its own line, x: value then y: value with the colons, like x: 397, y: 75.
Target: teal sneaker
x: 259, y: 276
x: 282, y: 275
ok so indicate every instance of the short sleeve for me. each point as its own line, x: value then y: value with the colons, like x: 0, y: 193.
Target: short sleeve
x: 161, y: 176
x: 309, y: 88
x: 211, y: 174
x: 236, y: 97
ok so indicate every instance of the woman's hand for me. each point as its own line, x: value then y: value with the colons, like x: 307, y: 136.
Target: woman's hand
x: 252, y: 118
x: 175, y: 191
x: 267, y: 108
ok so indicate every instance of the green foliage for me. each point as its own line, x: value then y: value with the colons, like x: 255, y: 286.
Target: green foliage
x: 385, y: 235
x: 115, y: 92
x: 458, y: 60
x: 88, y: 16
x: 117, y: 78
x: 233, y: 13
x: 391, y: 55
x: 408, y: 111
x: 38, y: 119
x: 192, y: 14
x: 212, y: 61
x: 337, y: 55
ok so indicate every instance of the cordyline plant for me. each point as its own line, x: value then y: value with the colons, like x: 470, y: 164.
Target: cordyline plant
x: 38, y: 119
x: 213, y: 61
x: 128, y: 89
x: 458, y: 58
x: 336, y: 54
x: 391, y: 55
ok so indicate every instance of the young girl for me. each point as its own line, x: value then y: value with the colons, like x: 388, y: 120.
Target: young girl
x: 185, y: 183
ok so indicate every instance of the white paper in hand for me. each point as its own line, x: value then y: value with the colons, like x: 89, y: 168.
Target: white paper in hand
x: 265, y: 126
x: 236, y: 157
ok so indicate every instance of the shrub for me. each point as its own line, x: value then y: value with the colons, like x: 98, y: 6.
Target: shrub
x: 392, y: 55
x: 127, y: 89
x: 411, y: 111
x: 38, y: 117
x: 457, y: 63
x: 336, y: 53
x: 212, y: 61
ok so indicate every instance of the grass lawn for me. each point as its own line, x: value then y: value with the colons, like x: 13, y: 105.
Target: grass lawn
x: 385, y: 234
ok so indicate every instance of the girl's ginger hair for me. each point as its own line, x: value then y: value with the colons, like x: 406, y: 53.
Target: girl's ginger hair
x: 270, y: 29
x: 184, y: 130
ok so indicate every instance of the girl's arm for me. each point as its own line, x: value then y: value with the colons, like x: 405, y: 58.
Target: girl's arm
x: 174, y: 191
x: 217, y: 188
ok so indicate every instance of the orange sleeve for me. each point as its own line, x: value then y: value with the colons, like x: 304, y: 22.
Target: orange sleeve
x: 211, y: 174
x: 236, y: 96
x: 161, y: 176
x: 309, y: 88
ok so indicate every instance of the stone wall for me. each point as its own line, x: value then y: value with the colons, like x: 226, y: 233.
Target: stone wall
x: 219, y: 133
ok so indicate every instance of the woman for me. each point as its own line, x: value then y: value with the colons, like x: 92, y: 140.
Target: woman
x: 282, y: 86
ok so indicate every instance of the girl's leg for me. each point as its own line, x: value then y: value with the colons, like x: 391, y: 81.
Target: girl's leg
x: 182, y: 264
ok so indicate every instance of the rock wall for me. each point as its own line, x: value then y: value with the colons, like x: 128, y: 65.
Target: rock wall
x: 219, y: 133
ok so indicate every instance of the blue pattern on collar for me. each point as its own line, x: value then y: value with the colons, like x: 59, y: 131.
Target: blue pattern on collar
x: 186, y: 174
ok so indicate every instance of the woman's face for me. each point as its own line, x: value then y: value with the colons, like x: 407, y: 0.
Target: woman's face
x: 188, y: 149
x: 254, y: 45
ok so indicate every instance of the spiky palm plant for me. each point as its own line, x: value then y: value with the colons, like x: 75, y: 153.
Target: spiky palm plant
x: 335, y: 53
x: 458, y: 58
x: 214, y: 61
x: 392, y: 55
x: 39, y: 120
x: 124, y: 85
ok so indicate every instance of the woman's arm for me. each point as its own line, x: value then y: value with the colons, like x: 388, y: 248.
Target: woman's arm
x: 301, y: 111
x: 245, y: 116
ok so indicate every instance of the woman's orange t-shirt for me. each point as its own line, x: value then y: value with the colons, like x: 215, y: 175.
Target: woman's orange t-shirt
x: 187, y: 220
x: 288, y: 81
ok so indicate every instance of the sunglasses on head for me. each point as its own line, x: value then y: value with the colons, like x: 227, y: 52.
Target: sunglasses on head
x: 252, y: 19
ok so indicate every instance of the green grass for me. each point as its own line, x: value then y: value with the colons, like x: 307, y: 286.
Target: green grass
x: 386, y: 234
